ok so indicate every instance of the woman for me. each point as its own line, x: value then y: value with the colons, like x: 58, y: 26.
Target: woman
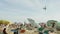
x: 4, y: 31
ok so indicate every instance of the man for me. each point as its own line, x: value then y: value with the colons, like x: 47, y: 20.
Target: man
x: 40, y: 30
x: 4, y: 31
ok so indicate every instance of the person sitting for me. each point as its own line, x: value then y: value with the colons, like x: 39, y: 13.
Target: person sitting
x: 52, y: 32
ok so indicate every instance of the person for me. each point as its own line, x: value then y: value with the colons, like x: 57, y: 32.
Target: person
x: 4, y: 31
x: 52, y: 32
x: 53, y: 24
x: 40, y: 30
x: 15, y: 31
x: 46, y: 30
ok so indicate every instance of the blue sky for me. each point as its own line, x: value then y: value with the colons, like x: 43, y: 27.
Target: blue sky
x: 19, y: 10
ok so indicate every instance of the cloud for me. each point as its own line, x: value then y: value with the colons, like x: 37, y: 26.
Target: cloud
x: 16, y: 9
x: 20, y: 2
x: 32, y: 4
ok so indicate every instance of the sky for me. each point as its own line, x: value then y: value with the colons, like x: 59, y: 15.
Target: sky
x: 20, y: 10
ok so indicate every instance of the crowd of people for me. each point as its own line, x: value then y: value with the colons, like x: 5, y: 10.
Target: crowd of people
x: 44, y: 29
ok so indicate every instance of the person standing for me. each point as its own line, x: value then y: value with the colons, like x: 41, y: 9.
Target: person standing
x: 4, y: 31
x: 40, y: 30
x: 15, y: 31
